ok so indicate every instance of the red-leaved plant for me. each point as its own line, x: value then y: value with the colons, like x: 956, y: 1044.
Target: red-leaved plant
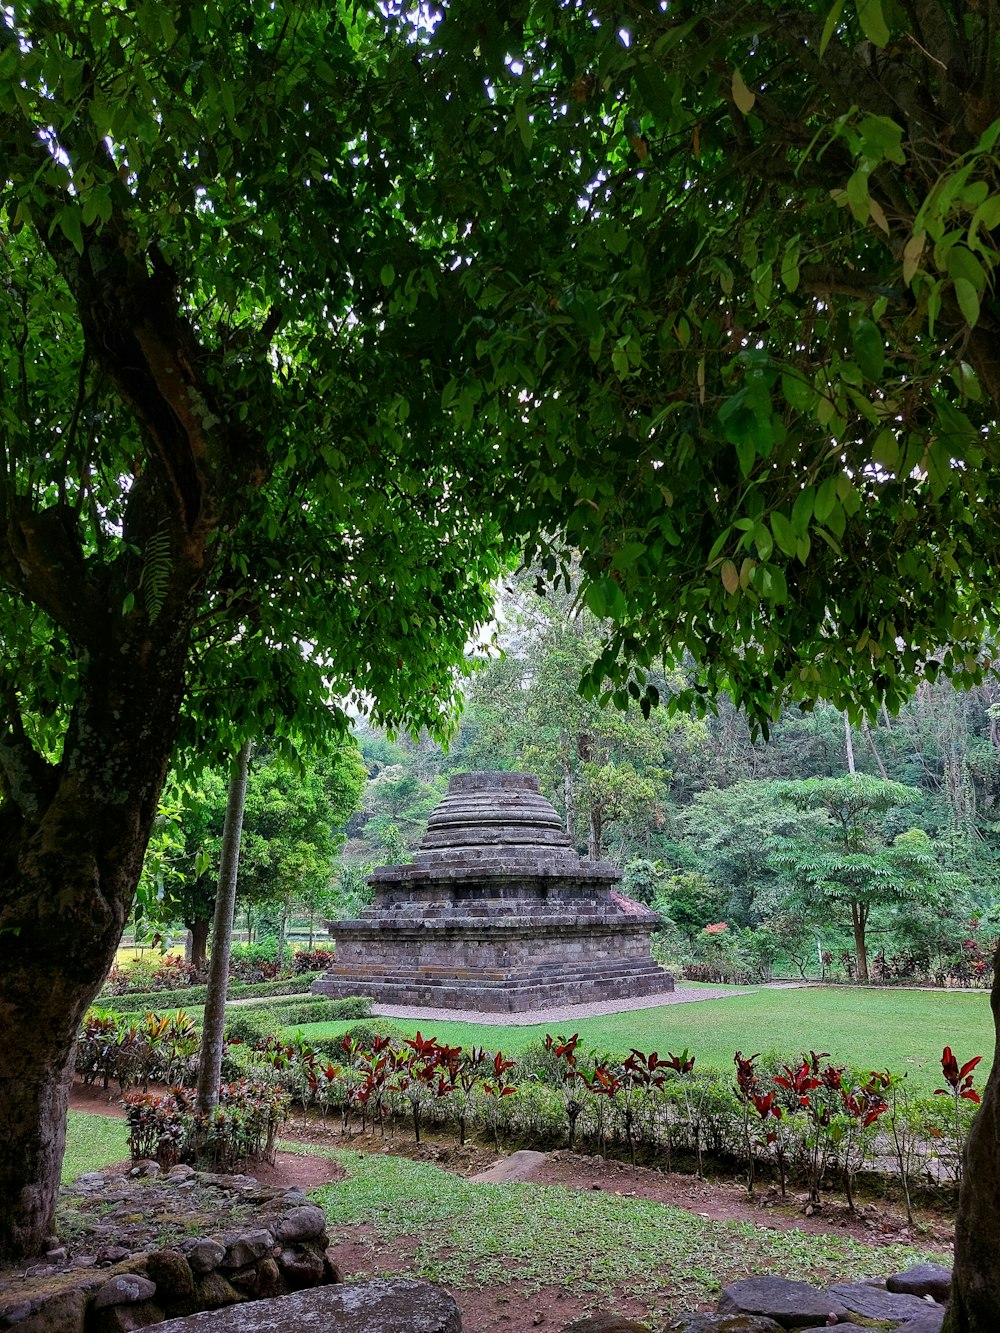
x: 959, y: 1080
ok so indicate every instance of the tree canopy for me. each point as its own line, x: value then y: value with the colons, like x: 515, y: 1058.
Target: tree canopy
x: 303, y: 306
x: 729, y: 280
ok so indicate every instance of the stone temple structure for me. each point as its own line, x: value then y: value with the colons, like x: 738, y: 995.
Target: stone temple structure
x: 497, y: 912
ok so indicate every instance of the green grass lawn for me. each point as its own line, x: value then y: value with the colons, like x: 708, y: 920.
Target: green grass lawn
x: 92, y: 1141
x: 476, y: 1235
x: 904, y: 1031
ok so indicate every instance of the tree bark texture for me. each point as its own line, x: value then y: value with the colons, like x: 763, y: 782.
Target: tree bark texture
x: 213, y: 1025
x: 975, y: 1297
x: 70, y: 856
x: 198, y: 944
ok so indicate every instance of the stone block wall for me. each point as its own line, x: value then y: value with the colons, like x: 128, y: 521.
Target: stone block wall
x: 282, y: 1247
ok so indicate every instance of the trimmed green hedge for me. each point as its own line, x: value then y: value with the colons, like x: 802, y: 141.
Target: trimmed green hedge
x: 253, y: 1022
x: 185, y: 996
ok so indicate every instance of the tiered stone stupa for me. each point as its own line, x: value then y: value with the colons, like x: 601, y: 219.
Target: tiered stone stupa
x: 496, y: 912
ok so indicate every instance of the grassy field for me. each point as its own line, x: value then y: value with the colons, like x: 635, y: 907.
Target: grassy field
x: 92, y: 1141
x: 904, y: 1031
x: 480, y: 1235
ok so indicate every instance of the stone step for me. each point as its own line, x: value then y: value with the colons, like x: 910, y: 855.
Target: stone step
x: 389, y: 1305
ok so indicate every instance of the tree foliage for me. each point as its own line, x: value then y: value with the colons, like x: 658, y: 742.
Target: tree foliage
x: 853, y: 866
x: 743, y: 275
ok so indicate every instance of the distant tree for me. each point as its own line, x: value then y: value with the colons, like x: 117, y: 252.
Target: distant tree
x: 293, y: 828
x: 851, y: 869
x: 730, y: 830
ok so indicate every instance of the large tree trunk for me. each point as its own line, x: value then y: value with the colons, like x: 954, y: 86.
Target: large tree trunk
x: 975, y: 1294
x: 72, y: 841
x: 198, y: 944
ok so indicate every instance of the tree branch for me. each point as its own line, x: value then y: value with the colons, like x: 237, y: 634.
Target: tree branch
x: 26, y: 778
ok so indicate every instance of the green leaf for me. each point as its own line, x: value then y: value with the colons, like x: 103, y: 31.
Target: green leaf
x: 826, y: 499
x: 885, y: 450
x: 388, y: 275
x: 69, y: 219
x: 869, y: 348
x: 730, y: 576
x: 763, y: 541
x: 802, y: 510
x: 962, y: 263
x: 830, y: 26
x: 872, y: 21
x: 784, y: 532
x: 524, y: 125
x: 968, y: 301
x: 790, y: 265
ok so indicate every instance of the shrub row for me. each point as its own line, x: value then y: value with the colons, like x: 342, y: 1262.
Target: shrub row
x: 806, y: 1120
x: 141, y: 1001
x: 248, y: 965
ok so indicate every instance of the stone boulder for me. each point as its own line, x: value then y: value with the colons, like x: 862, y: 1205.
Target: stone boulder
x: 874, y: 1303
x: 932, y: 1280
x: 390, y: 1306
x: 790, y: 1304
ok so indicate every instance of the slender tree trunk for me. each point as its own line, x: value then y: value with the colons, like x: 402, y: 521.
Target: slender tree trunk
x: 849, y: 745
x: 975, y: 1291
x: 282, y: 931
x: 875, y: 754
x: 858, y: 921
x: 210, y: 1060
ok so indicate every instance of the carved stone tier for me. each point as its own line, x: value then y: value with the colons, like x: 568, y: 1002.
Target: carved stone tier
x: 496, y: 912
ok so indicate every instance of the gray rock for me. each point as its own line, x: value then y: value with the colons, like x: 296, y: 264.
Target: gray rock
x: 145, y: 1166
x: 873, y: 1303
x: 204, y: 1255
x: 246, y: 1248
x: 929, y: 1323
x: 125, y: 1318
x: 790, y: 1304
x: 388, y: 1305
x: 305, y: 1223
x: 725, y: 1323
x: 518, y: 1166
x: 125, y: 1289
x: 301, y: 1268
x: 180, y: 1172
x: 172, y: 1273
x: 922, y: 1280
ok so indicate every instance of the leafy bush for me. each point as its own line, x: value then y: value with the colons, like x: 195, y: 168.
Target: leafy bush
x: 362, y: 1036
x: 312, y: 960
x: 252, y: 1022
x: 242, y: 1128
x: 150, y: 975
x: 254, y: 962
